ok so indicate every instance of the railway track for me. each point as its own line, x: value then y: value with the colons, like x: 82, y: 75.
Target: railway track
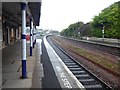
x: 88, y: 79
x: 107, y: 48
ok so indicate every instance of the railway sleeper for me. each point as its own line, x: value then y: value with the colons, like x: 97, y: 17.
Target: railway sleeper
x: 97, y: 86
x: 75, y: 66
x: 93, y: 82
x: 65, y: 57
x: 79, y: 77
x: 86, y: 80
x: 78, y: 72
x: 84, y: 75
x: 70, y: 63
x: 75, y: 69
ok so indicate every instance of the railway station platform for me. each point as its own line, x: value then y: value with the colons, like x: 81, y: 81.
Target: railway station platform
x: 11, y: 67
x: 44, y: 69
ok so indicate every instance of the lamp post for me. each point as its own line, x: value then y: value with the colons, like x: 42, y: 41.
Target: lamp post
x: 103, y: 31
x: 79, y: 34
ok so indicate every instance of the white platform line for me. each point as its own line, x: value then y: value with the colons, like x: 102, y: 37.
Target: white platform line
x: 39, y: 41
x: 66, y: 68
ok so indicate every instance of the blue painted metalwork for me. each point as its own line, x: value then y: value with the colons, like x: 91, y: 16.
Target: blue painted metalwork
x: 24, y: 72
x: 33, y: 44
x: 31, y: 27
x: 33, y: 37
x: 30, y: 50
x: 23, y: 7
x: 23, y: 36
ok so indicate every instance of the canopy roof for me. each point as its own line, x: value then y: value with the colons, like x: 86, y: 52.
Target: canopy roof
x: 12, y: 10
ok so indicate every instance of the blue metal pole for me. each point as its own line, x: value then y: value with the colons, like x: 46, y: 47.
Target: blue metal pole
x: 33, y: 37
x: 31, y: 28
x: 23, y: 7
x: 35, y: 34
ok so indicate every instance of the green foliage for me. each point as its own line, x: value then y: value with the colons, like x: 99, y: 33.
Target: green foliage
x: 71, y: 30
x: 109, y: 18
x: 97, y: 32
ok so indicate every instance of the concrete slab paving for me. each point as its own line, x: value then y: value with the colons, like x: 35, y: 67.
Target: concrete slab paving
x: 12, y: 69
x: 11, y: 75
x: 36, y: 83
x: 20, y: 83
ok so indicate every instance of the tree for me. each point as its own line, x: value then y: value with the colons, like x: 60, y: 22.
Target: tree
x: 72, y: 29
x: 109, y: 18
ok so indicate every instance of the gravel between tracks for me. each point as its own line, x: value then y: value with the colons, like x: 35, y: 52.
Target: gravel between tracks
x: 108, y: 78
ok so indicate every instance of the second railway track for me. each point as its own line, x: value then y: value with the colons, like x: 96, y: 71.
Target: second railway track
x: 88, y: 79
x: 113, y: 49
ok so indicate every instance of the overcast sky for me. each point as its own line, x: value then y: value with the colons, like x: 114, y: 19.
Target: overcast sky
x: 59, y: 14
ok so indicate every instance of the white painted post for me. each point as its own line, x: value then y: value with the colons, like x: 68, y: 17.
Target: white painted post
x: 35, y: 35
x: 16, y: 34
x: 24, y: 72
x: 8, y: 35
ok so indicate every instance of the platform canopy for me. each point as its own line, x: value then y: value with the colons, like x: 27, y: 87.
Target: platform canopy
x: 12, y: 12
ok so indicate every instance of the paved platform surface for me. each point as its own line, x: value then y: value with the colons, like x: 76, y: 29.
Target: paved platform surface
x: 50, y: 80
x: 11, y: 67
x: 44, y: 69
x: 40, y: 73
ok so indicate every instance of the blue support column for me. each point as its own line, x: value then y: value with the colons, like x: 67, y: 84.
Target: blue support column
x: 35, y: 34
x: 23, y: 8
x: 31, y: 28
x: 33, y: 37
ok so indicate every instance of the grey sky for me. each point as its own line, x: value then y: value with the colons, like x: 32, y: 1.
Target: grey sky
x: 59, y: 14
